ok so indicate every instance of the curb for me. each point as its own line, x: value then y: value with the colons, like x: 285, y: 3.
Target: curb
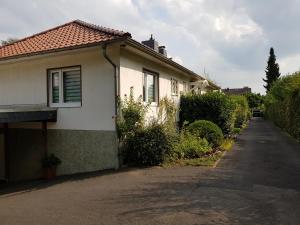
x: 217, y: 162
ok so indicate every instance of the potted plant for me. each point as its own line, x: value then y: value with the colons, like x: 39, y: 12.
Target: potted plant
x: 50, y: 164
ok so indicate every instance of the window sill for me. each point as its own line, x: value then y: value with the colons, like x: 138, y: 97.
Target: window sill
x: 72, y: 105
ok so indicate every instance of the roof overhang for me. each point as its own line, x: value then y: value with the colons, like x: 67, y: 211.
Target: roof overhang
x: 137, y: 45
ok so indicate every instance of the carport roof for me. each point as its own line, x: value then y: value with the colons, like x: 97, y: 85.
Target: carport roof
x: 15, y: 114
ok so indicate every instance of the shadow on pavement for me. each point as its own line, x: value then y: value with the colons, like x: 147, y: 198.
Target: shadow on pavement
x: 16, y: 187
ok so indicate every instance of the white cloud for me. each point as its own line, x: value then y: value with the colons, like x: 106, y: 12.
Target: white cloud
x: 289, y: 64
x: 234, y: 30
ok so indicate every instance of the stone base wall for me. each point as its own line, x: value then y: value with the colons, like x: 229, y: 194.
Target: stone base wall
x: 80, y: 151
x: 83, y: 151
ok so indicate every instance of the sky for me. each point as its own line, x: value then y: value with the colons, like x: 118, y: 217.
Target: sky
x: 228, y: 39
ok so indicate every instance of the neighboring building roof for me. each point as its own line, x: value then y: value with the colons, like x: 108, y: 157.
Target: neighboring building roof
x: 237, y: 91
x: 70, y: 35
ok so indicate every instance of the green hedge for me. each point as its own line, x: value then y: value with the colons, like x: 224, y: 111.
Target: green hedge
x: 208, y: 130
x: 282, y: 104
x: 242, y: 110
x: 215, y: 107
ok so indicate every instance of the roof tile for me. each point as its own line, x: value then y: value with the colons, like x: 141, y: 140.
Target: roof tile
x: 74, y: 34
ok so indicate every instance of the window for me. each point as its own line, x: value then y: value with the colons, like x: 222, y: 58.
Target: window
x: 185, y: 87
x: 174, y: 86
x: 65, y: 87
x: 150, y: 90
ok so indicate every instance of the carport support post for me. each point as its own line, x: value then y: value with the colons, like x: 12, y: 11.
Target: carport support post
x: 44, y: 128
x: 6, y: 152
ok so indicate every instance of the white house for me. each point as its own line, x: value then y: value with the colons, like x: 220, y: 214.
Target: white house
x: 58, y: 93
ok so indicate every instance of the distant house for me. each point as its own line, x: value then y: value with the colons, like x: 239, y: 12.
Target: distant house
x: 237, y: 91
x: 58, y: 94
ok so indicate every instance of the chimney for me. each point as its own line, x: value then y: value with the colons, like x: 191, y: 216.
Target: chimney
x: 162, y: 50
x: 151, y: 43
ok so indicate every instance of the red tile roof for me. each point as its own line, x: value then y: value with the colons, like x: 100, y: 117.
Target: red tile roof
x: 70, y: 35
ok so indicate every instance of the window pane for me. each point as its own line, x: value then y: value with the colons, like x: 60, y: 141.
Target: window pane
x: 72, y: 86
x: 174, y: 86
x: 55, y: 87
x: 150, y: 88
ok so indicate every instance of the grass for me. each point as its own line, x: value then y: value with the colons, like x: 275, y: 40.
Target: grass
x: 227, y: 144
x: 204, y: 161
x: 209, y: 160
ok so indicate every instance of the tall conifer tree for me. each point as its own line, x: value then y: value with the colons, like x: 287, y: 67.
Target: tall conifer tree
x: 272, y: 70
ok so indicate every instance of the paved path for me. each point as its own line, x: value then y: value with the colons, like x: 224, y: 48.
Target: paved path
x: 257, y: 183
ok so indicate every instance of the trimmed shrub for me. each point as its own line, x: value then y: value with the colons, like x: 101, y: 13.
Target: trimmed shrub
x: 208, y: 130
x: 191, y: 146
x: 241, y: 110
x: 149, y: 146
x: 214, y: 106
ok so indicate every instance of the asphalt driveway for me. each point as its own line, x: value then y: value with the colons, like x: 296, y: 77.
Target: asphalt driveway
x: 256, y: 183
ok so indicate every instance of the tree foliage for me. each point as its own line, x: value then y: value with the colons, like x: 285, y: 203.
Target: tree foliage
x: 254, y: 100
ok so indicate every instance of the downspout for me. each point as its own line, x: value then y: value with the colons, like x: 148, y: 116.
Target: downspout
x: 117, y: 91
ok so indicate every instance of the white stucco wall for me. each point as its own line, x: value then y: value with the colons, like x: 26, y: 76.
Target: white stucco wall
x: 131, y: 75
x: 24, y: 82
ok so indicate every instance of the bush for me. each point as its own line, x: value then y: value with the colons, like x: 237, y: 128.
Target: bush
x: 241, y: 110
x: 237, y: 130
x: 167, y: 112
x: 208, y: 130
x: 191, y: 146
x: 149, y: 146
x: 282, y: 104
x: 215, y: 107
x: 131, y: 119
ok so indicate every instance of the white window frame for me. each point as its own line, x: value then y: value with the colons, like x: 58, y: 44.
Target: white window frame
x: 61, y: 103
x: 156, y: 86
x: 174, y: 92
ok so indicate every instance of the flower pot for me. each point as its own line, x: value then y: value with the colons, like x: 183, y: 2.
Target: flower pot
x: 49, y: 173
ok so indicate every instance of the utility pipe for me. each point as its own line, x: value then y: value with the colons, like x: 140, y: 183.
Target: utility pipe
x: 117, y: 91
